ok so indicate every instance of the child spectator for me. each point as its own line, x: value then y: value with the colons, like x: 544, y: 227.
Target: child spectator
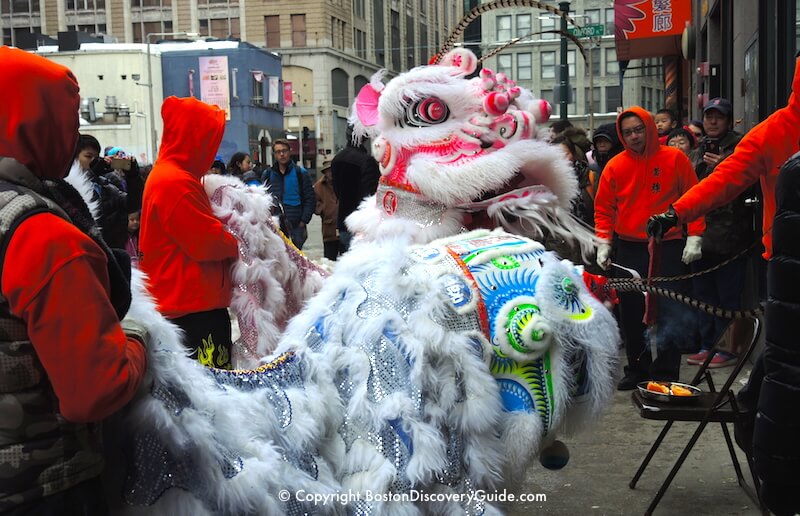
x: 666, y: 121
x: 133, y: 237
x: 682, y: 138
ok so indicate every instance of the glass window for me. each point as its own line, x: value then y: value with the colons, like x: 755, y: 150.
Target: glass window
x: 548, y: 23
x: 613, y: 98
x: 572, y: 103
x: 258, y: 92
x: 503, y: 28
x: 571, y: 61
x: 548, y: 65
x: 524, y: 67
x: 548, y: 96
x: 272, y: 31
x: 504, y: 64
x: 610, y: 20
x: 612, y: 65
x: 523, y: 25
x: 592, y: 16
x: 592, y: 102
x: 298, y: 30
x: 594, y: 57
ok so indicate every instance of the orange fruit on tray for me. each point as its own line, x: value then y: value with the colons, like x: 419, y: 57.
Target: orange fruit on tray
x: 677, y: 390
x: 657, y: 387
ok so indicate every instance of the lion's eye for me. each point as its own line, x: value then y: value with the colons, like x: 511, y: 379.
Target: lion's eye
x: 426, y: 112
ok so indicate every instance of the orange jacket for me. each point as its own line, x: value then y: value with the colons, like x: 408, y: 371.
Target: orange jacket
x: 758, y: 157
x: 54, y: 276
x: 186, y: 251
x: 634, y: 186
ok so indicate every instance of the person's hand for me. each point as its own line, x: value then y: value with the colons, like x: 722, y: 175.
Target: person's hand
x: 135, y: 330
x: 658, y: 225
x: 604, y: 255
x: 693, y: 250
x: 711, y: 159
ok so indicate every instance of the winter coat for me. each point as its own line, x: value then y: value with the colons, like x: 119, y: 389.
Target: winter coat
x: 185, y: 251
x: 355, y: 176
x: 634, y: 186
x: 776, y: 440
x: 65, y: 358
x: 758, y: 157
x: 327, y: 208
x: 275, y: 185
x: 729, y: 228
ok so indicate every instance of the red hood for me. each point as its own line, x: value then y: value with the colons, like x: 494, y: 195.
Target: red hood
x: 40, y: 113
x: 652, y: 145
x: 192, y: 133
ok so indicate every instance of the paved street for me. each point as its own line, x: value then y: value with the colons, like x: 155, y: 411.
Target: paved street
x: 603, y: 460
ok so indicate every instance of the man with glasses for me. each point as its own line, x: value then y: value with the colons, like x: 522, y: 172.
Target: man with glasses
x: 645, y: 175
x: 291, y: 188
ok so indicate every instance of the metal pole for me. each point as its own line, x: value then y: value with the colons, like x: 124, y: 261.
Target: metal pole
x: 300, y: 143
x: 564, y: 99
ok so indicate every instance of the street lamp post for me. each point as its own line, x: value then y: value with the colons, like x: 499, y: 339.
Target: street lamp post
x: 564, y: 83
x: 153, y: 134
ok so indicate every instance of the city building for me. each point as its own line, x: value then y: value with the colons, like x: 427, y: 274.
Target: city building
x: 329, y: 48
x: 534, y: 62
x: 119, y: 107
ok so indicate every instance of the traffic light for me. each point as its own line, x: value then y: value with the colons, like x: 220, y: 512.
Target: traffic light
x: 306, y: 137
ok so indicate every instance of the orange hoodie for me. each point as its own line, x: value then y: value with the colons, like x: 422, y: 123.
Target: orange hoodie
x: 758, y: 157
x: 186, y: 251
x: 634, y: 186
x: 54, y: 277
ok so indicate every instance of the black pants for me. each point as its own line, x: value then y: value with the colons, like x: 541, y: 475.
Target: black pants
x: 85, y: 499
x: 331, y: 249
x: 208, y: 336
x: 675, y: 321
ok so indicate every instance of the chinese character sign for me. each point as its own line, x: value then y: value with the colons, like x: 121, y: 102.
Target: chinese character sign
x: 214, y: 87
x: 288, y: 97
x: 638, y: 19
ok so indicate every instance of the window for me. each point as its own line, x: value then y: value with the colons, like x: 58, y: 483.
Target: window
x: 410, y: 43
x: 572, y: 102
x: 613, y: 98
x: 571, y: 62
x: 594, y: 57
x: 523, y: 25
x: 298, y: 30
x: 359, y: 8
x: 258, y: 92
x: 339, y: 84
x: 378, y: 32
x: 272, y: 31
x: 548, y: 65
x: 395, y: 37
x: 612, y: 65
x: 221, y: 28
x: 524, y: 67
x: 503, y: 28
x: 592, y: 16
x: 424, y: 51
x: 592, y: 100
x: 142, y: 29
x: 548, y: 23
x: 504, y: 64
x: 610, y: 20
x: 360, y: 41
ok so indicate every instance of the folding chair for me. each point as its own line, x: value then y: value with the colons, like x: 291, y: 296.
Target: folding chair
x: 739, y: 338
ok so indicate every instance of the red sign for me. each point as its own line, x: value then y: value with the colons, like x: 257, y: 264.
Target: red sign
x: 656, y: 25
x: 288, y: 97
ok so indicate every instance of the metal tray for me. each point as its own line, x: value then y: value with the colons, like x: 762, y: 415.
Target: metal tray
x: 670, y: 398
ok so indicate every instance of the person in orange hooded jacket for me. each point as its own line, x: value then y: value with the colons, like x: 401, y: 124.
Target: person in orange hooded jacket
x: 66, y: 359
x: 185, y: 251
x: 646, y: 174
x: 759, y: 157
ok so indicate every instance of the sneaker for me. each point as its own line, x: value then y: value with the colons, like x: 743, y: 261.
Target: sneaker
x: 697, y: 358
x: 628, y: 383
x: 722, y: 360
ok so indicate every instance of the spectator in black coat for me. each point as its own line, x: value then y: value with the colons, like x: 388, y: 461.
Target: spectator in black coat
x: 355, y: 176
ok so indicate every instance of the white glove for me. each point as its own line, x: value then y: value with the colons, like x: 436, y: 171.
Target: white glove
x: 693, y: 250
x: 604, y: 255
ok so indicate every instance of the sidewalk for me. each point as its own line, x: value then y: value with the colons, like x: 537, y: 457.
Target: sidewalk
x: 604, y: 459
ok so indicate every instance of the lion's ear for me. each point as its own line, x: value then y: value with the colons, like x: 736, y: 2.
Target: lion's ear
x: 461, y: 58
